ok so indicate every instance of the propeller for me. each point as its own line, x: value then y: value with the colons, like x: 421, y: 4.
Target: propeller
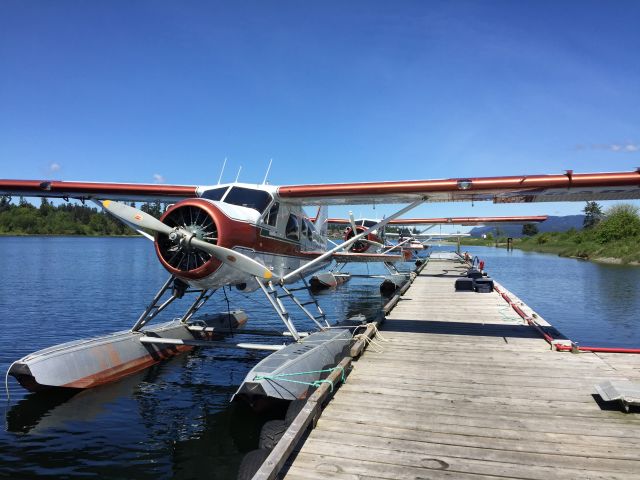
x: 187, y: 239
x: 354, y: 229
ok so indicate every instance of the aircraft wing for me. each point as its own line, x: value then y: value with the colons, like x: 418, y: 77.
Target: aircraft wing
x: 513, y: 189
x: 88, y: 190
x: 423, y: 236
x: 466, y: 221
x: 346, y: 257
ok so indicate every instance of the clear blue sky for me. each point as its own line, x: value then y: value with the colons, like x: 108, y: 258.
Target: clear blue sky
x: 332, y: 91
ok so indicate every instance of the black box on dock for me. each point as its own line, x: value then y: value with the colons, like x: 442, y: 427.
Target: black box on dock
x: 464, y: 285
x: 474, y: 273
x: 483, y: 285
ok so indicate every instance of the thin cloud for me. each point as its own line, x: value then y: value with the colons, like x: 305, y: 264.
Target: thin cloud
x: 157, y: 178
x: 624, y: 147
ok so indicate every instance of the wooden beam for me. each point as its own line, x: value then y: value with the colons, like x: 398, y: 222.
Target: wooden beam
x: 281, y: 452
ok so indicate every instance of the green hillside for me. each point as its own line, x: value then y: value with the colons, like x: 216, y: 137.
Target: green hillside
x: 65, y: 219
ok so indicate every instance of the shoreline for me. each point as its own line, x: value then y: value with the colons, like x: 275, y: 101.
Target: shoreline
x: 601, y: 260
x: 2, y: 235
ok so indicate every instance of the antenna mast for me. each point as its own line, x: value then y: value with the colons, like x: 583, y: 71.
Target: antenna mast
x: 224, y: 164
x: 267, y: 174
x: 238, y: 175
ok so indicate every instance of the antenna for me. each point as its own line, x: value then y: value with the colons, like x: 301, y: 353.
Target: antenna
x: 238, y: 175
x: 267, y: 174
x: 224, y: 164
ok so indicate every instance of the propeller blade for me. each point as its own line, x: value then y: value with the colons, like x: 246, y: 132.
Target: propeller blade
x: 227, y: 256
x: 352, y: 221
x: 136, y: 217
x: 235, y: 259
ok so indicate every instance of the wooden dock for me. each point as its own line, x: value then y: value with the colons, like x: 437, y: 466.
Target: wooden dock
x: 464, y: 389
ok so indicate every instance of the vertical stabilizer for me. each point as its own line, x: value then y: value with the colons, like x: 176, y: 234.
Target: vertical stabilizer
x: 321, y: 220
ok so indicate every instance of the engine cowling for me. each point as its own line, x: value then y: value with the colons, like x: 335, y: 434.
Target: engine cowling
x: 203, y: 219
x: 359, y: 246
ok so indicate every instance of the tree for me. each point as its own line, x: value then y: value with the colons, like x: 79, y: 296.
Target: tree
x: 45, y: 207
x: 529, y: 229
x: 621, y: 222
x: 592, y: 214
x: 5, y: 203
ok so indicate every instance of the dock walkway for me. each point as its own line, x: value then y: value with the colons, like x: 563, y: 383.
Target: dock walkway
x: 465, y: 389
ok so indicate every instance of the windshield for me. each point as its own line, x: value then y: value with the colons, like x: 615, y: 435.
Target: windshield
x: 214, y: 193
x: 246, y: 197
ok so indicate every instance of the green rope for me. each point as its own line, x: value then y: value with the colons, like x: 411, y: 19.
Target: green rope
x: 316, y: 383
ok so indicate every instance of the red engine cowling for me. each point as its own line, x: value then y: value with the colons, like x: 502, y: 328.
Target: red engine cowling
x: 208, y: 223
x: 360, y: 246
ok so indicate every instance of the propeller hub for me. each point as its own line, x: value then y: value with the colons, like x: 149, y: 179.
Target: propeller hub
x: 189, y: 219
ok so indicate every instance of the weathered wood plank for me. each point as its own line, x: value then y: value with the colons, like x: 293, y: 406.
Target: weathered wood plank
x: 411, y: 465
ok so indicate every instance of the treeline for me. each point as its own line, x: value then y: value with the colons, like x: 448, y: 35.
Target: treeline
x: 25, y: 218
x: 614, y: 234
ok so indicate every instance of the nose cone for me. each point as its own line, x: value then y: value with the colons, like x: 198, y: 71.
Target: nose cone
x: 201, y: 218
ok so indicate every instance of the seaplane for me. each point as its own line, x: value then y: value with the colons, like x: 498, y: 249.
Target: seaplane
x: 409, y: 244
x: 257, y: 237
x: 375, y: 240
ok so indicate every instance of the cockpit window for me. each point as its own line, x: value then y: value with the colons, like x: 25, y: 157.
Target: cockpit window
x: 246, y: 197
x: 272, y: 216
x: 214, y: 193
x: 368, y: 223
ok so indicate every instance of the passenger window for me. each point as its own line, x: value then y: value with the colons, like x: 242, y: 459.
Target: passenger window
x: 292, y: 232
x: 272, y: 216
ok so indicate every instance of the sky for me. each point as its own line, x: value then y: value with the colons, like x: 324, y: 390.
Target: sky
x: 332, y: 91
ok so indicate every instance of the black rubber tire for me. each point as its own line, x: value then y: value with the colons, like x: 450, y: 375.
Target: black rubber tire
x: 388, y: 288
x: 271, y: 433
x: 251, y: 462
x: 293, y: 410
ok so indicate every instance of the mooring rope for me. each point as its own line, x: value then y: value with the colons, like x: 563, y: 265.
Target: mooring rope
x: 375, y: 346
x: 315, y: 383
x: 6, y: 381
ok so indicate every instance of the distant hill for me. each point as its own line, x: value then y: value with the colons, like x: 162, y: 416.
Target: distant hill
x: 552, y: 224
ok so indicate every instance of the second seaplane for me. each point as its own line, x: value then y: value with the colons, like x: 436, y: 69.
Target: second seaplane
x: 257, y: 237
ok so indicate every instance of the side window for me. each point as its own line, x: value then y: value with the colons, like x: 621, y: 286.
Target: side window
x: 309, y: 229
x: 272, y: 216
x: 292, y: 228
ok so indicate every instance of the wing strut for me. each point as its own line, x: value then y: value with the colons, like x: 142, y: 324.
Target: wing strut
x: 352, y: 240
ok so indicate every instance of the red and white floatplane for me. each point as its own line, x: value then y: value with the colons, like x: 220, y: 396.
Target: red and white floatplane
x: 409, y: 244
x: 258, y: 238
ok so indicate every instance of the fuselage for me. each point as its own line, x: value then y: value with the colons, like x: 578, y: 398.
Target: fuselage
x: 249, y: 219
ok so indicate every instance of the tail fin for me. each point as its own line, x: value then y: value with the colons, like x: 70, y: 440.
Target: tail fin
x: 321, y: 220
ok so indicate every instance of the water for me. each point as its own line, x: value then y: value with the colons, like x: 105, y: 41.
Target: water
x: 171, y: 421
x: 174, y: 420
x: 592, y: 304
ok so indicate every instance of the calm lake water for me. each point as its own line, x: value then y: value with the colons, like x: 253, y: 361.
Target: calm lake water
x: 174, y: 420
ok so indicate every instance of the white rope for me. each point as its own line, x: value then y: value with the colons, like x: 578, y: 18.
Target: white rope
x: 377, y: 334
x: 370, y: 342
x: 6, y: 381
